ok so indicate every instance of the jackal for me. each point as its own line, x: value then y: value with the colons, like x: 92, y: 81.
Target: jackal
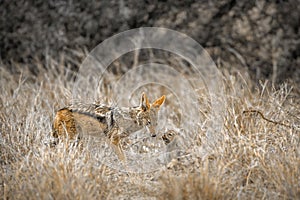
x: 169, y: 136
x: 114, y: 123
x: 177, y: 145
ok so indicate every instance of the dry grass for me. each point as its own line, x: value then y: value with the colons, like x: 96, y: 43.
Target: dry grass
x: 258, y: 158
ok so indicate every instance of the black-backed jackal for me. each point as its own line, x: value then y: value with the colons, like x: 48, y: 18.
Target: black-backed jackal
x: 114, y: 123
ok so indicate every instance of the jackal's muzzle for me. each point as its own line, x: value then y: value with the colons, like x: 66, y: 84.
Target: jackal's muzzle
x: 151, y: 130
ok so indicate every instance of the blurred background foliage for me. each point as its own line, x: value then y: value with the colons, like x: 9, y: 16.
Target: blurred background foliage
x: 259, y: 36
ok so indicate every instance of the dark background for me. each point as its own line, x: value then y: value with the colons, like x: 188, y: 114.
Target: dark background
x: 259, y: 36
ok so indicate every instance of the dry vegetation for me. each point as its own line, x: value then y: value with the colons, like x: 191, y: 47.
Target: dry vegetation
x: 259, y: 154
x: 259, y: 157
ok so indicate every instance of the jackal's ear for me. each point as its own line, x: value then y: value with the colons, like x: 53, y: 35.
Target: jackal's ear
x: 144, y: 104
x: 158, y: 102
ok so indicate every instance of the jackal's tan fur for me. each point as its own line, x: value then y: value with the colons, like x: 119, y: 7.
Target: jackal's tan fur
x: 100, y: 120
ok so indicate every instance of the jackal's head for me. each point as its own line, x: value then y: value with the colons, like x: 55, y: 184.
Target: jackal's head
x: 148, y: 113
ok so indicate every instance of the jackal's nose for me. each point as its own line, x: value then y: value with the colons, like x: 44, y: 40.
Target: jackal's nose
x: 152, y: 131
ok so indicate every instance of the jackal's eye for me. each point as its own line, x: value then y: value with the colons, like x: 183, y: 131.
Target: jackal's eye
x: 148, y: 122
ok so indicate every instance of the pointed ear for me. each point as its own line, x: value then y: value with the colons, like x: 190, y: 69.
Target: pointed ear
x: 144, y: 103
x: 158, y: 102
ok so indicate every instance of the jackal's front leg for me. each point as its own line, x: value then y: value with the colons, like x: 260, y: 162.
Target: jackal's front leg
x: 115, y: 140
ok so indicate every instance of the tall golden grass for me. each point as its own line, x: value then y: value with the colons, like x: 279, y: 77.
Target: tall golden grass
x: 258, y: 158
